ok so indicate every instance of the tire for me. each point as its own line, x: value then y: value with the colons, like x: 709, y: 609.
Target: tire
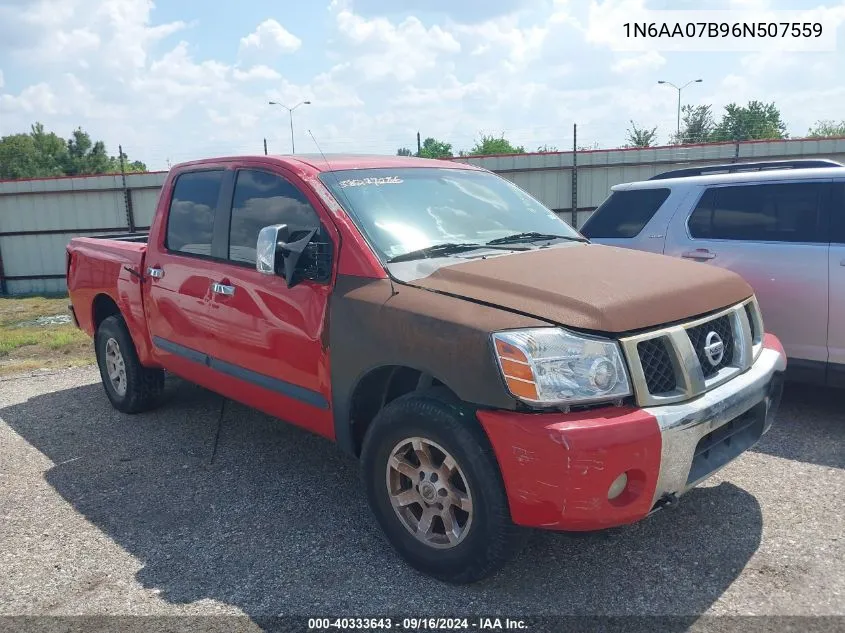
x: 136, y: 388
x: 483, y: 539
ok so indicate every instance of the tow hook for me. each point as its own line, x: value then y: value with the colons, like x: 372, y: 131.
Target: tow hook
x: 669, y: 500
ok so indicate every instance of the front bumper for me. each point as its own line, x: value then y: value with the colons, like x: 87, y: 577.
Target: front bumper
x: 557, y: 468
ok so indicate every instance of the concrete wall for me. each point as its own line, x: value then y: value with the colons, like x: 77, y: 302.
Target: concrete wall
x: 39, y: 217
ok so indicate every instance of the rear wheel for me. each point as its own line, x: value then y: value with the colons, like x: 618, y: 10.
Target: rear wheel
x: 130, y: 386
x: 435, y: 489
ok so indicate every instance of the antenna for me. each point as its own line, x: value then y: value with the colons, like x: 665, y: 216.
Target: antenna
x: 345, y: 197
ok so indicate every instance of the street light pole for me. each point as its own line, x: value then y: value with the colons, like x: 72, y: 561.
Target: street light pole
x: 290, y: 113
x: 669, y: 83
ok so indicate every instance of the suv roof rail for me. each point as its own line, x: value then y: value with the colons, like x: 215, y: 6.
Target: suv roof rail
x: 732, y: 168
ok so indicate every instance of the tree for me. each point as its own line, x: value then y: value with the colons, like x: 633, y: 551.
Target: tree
x: 403, y: 151
x: 489, y: 144
x: 41, y: 154
x: 547, y: 148
x: 698, y: 124
x: 827, y: 129
x: 640, y: 136
x: 432, y: 148
x: 757, y: 120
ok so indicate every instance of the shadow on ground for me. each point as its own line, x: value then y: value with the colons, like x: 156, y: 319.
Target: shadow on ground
x: 277, y: 524
x: 810, y: 426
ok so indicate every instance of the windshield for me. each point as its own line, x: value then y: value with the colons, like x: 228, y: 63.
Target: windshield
x: 401, y: 210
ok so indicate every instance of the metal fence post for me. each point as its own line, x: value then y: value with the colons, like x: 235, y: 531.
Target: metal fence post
x: 574, y: 175
x: 127, y: 196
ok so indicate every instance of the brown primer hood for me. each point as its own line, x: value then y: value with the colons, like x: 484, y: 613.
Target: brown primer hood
x: 593, y: 287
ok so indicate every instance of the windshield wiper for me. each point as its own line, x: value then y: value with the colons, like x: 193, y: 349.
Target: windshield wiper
x: 435, y: 251
x: 533, y: 236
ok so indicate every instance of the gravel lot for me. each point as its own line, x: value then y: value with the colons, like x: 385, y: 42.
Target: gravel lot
x: 103, y: 513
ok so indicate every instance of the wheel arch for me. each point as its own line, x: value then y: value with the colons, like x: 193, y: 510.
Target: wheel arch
x: 372, y: 391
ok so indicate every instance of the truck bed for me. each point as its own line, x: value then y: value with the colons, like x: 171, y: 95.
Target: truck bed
x: 104, y: 271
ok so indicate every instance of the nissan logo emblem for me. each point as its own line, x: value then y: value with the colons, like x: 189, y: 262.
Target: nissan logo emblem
x: 714, y: 348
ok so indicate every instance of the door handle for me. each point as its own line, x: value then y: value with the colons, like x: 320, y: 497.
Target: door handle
x: 222, y: 289
x: 699, y: 253
x: 155, y: 273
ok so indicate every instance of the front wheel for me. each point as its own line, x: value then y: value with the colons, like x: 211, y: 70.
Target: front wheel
x: 130, y: 387
x: 436, y: 491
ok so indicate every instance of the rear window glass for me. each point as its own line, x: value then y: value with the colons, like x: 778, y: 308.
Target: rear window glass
x: 786, y: 212
x: 190, y: 223
x: 625, y: 213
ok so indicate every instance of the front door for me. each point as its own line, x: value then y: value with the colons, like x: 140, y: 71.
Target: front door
x: 774, y: 235
x: 270, y: 338
x: 178, y: 288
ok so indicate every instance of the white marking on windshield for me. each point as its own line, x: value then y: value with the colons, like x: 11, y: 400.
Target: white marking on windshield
x: 378, y: 182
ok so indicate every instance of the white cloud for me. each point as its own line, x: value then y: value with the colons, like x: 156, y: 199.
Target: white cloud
x: 259, y: 72
x: 652, y: 60
x: 2, y: 79
x: 399, y: 51
x: 271, y: 38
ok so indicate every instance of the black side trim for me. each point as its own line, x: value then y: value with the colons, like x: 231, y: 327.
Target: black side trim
x: 806, y: 371
x: 266, y: 382
x: 273, y: 384
x: 836, y: 375
x: 181, y: 350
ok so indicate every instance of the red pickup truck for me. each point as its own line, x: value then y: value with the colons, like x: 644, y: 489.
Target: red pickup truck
x: 490, y: 366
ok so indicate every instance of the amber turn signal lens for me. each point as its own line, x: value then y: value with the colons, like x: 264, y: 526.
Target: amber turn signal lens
x: 522, y: 388
x: 511, y: 352
x: 513, y: 369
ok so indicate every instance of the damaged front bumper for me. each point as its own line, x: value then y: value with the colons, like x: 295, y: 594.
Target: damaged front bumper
x: 558, y: 469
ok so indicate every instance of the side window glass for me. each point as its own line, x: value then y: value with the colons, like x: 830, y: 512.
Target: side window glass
x: 190, y: 221
x: 262, y: 199
x: 625, y: 213
x: 787, y: 212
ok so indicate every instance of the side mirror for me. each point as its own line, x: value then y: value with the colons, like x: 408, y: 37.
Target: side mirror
x: 292, y: 253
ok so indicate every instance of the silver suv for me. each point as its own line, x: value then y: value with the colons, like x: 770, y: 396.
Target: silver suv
x: 779, y: 224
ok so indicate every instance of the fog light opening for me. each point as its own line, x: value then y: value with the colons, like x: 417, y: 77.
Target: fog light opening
x: 618, y: 486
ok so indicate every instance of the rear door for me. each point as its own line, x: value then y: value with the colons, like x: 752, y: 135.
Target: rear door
x: 179, y: 273
x: 267, y: 337
x: 634, y: 218
x: 774, y: 234
x: 836, y: 329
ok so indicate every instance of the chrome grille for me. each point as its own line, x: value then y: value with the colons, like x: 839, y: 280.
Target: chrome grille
x: 657, y: 366
x: 698, y: 338
x: 672, y: 364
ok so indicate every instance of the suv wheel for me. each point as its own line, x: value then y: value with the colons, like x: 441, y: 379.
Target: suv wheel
x: 130, y: 386
x: 436, y: 491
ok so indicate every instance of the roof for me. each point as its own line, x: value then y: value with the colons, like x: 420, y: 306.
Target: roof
x: 741, y: 177
x: 336, y: 162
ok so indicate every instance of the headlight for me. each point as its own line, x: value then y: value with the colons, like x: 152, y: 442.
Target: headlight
x: 550, y: 366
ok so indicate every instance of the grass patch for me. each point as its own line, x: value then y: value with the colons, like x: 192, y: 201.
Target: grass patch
x: 49, y: 347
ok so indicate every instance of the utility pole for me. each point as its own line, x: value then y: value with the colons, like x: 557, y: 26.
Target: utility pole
x: 419, y: 146
x: 669, y: 83
x: 265, y: 147
x: 290, y: 113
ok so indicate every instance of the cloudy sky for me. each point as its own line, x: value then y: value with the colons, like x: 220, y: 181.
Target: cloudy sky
x: 178, y: 79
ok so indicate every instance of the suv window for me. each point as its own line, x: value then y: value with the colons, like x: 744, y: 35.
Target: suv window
x: 190, y: 222
x: 262, y: 199
x: 625, y: 213
x: 787, y: 212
